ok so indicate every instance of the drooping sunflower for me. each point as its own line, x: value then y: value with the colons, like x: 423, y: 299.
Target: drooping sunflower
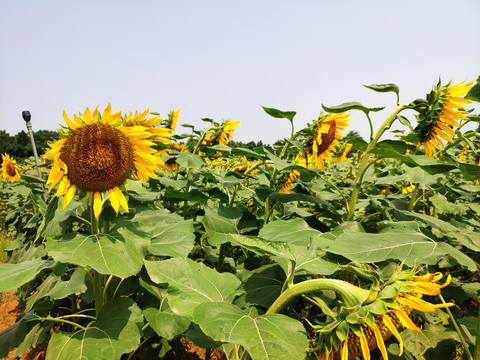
x: 289, y: 182
x: 158, y: 133
x: 9, y: 170
x: 221, y: 135
x: 173, y: 119
x: 323, y: 138
x: 357, y: 331
x: 97, y: 153
x: 440, y: 114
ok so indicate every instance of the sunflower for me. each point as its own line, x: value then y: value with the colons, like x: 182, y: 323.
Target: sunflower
x: 221, y: 135
x: 439, y: 115
x: 357, y: 331
x: 9, y: 170
x: 173, y: 119
x: 346, y: 150
x: 160, y: 134
x: 289, y: 182
x: 323, y: 140
x: 97, y: 154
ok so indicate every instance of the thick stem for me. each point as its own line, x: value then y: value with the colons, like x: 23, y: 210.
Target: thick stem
x: 97, y: 277
x: 413, y: 199
x: 351, y: 294
x: 362, y: 167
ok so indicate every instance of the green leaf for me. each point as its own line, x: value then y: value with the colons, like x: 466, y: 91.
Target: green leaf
x: 353, y: 105
x: 220, y: 224
x: 116, y: 332
x: 409, y: 246
x: 474, y: 93
x: 191, y: 283
x: 469, y: 171
x: 55, y: 288
x: 166, y: 324
x: 264, y: 337
x: 468, y: 326
x: 262, y: 246
x: 189, y: 161
x: 192, y: 195
x: 262, y: 285
x: 457, y: 256
x: 446, y: 207
x: 280, y: 114
x: 383, y: 88
x: 12, y: 276
x: 12, y: 337
x: 418, y: 342
x: 111, y: 254
x: 169, y: 233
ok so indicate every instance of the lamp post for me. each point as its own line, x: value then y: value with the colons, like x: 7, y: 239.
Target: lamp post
x: 27, y: 116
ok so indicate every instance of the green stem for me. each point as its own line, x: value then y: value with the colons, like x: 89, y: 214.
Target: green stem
x: 352, y: 295
x: 362, y: 167
x: 97, y: 277
x: 371, y: 126
x: 58, y: 320
x: 457, y: 329
x: 413, y: 199
x: 476, y: 351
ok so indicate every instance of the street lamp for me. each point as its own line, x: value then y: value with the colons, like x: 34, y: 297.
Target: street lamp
x: 27, y: 116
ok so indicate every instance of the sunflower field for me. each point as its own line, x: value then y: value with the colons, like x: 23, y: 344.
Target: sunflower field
x: 139, y: 238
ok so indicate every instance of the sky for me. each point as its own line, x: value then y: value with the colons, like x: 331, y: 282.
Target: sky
x: 227, y: 59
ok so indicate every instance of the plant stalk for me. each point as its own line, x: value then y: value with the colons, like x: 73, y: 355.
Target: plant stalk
x: 352, y: 295
x: 97, y: 277
x: 362, y: 167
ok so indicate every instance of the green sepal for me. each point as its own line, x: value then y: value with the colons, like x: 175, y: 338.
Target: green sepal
x: 357, y: 329
x: 378, y: 307
x: 342, y: 330
x: 329, y: 327
x: 474, y: 93
x: 388, y: 292
x: 358, y: 317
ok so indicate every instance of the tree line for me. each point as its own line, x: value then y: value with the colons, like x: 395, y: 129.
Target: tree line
x: 20, y: 147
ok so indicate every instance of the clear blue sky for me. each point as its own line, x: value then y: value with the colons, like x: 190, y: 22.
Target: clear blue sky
x: 225, y: 59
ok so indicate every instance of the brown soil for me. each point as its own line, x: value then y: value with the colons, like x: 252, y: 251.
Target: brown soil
x: 11, y: 312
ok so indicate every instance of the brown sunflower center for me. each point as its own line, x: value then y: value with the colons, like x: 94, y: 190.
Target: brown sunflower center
x: 10, y: 168
x: 327, y: 138
x: 98, y: 157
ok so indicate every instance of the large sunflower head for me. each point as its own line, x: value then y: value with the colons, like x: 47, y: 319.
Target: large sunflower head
x: 356, y: 331
x: 322, y: 138
x: 9, y: 170
x: 440, y: 114
x: 97, y: 153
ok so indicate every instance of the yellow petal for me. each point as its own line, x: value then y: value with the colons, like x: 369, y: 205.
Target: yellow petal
x: 87, y: 117
x: 68, y: 196
x: 106, y: 114
x: 69, y: 122
x: 344, y: 349
x: 365, y: 349
x: 406, y: 321
x: 380, y: 343
x: 121, y: 198
x: 390, y: 326
x: 97, y: 204
x: 114, y: 200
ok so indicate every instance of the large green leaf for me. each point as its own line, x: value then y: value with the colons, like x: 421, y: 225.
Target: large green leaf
x: 166, y: 324
x: 116, y: 332
x: 12, y: 337
x: 191, y: 283
x: 12, y: 276
x: 188, y: 160
x: 353, y: 105
x: 220, y: 224
x: 408, y: 245
x: 170, y: 234
x: 446, y: 207
x: 55, y: 288
x: 383, y: 88
x: 264, y: 337
x: 112, y: 254
x: 280, y: 114
x: 418, y: 342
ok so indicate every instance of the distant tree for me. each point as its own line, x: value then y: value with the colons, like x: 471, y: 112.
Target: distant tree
x: 19, y: 145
